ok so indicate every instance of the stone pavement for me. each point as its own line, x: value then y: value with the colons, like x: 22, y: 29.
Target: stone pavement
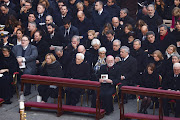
x: 10, y: 112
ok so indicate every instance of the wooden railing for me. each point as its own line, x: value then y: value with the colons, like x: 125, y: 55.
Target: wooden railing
x: 64, y: 82
x: 147, y: 92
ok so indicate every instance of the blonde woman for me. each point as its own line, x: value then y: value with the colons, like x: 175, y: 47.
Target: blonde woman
x: 171, y: 50
x: 52, y: 68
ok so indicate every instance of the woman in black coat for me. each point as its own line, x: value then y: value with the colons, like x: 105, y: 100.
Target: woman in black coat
x: 159, y: 62
x: 52, y: 68
x: 8, y: 65
x: 150, y: 79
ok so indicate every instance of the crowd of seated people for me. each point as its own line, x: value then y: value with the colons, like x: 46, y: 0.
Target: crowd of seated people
x: 86, y: 39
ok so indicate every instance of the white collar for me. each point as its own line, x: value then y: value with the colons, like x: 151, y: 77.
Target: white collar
x: 24, y: 48
x: 5, y: 43
x: 100, y: 12
x: 126, y: 58
x: 112, y: 39
x: 7, y: 3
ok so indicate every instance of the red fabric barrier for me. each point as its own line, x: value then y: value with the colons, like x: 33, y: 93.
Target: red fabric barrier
x: 1, y: 100
x: 64, y: 107
x: 168, y: 92
x: 61, y: 80
x: 147, y: 116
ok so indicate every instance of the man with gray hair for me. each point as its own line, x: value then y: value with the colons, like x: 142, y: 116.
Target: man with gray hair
x: 141, y: 58
x: 72, y: 48
x: 172, y: 82
x: 31, y: 29
x: 153, y: 20
x: 128, y: 67
x: 165, y: 39
x: 115, y: 52
x: 63, y: 58
x: 125, y: 18
x: 77, y: 70
x: 151, y: 44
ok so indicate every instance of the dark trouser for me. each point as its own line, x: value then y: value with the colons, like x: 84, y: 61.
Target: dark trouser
x: 73, y: 95
x: 45, y: 91
x: 106, y: 100
x: 177, y: 111
x: 166, y: 107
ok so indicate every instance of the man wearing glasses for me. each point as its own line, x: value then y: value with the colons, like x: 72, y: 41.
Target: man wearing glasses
x: 26, y: 55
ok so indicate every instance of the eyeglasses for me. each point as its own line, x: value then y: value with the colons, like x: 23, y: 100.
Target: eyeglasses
x: 116, y: 45
x: 24, y: 40
x: 102, y: 53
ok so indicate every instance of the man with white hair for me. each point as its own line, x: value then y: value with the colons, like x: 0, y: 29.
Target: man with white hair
x: 172, y: 82
x: 77, y: 70
x: 108, y: 83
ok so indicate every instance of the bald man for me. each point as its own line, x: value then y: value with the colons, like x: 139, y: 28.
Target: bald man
x: 142, y: 34
x: 111, y: 71
x: 117, y: 28
x: 83, y: 24
x: 43, y: 28
x: 87, y: 55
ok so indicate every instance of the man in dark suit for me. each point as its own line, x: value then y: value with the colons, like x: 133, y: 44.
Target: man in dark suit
x: 112, y: 8
x: 100, y: 16
x: 42, y: 47
x: 68, y: 31
x: 53, y: 37
x: 26, y: 55
x: 141, y: 58
x: 131, y: 5
x: 125, y: 18
x: 5, y: 13
x: 41, y: 15
x: 63, y: 58
x: 25, y: 11
x: 128, y: 67
x: 49, y: 20
x: 152, y: 20
x: 117, y: 28
x: 61, y: 14
x: 165, y: 38
x: 10, y: 4
x: 108, y: 42
x: 87, y: 55
x: 83, y: 24
x: 77, y: 70
x: 172, y: 82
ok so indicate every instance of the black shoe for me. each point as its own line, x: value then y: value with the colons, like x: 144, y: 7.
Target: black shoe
x: 125, y: 101
x: 27, y: 93
x: 145, y: 112
x: 140, y: 111
x: 108, y: 113
x: 7, y: 102
x: 152, y: 106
